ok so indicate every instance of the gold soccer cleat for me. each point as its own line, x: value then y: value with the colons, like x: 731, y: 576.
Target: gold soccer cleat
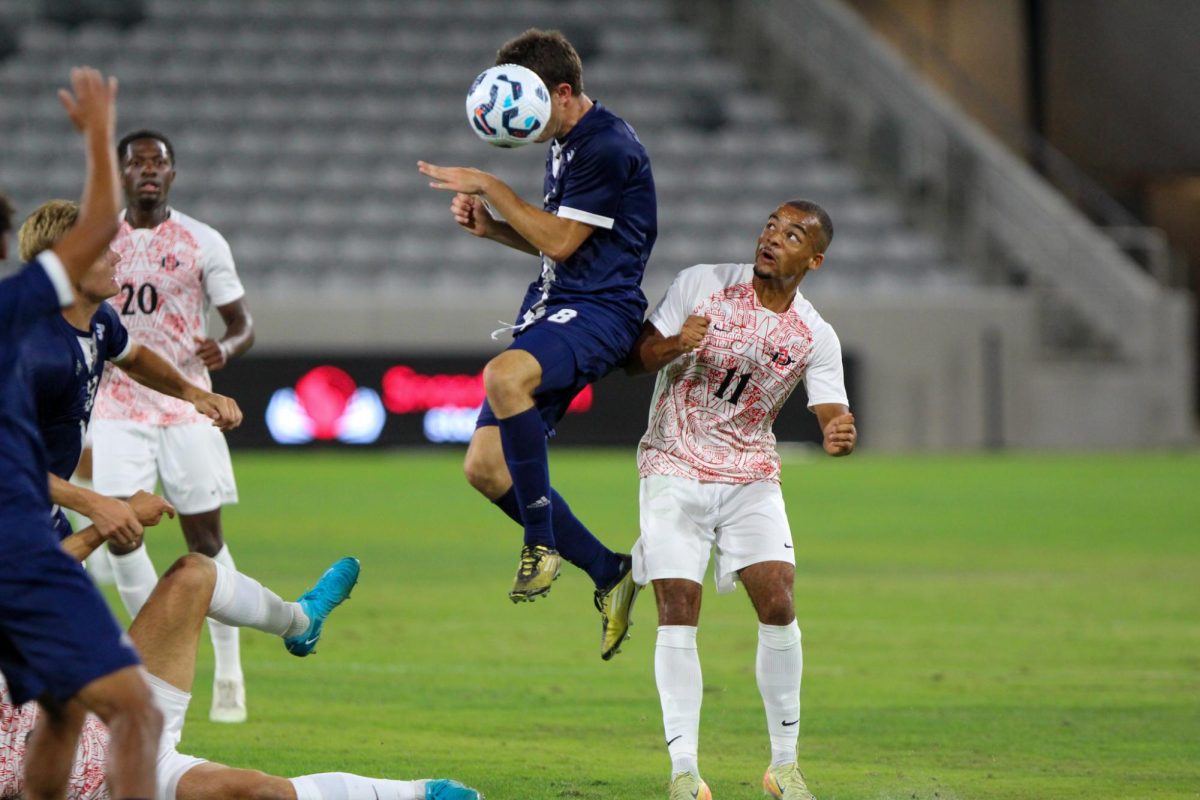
x: 537, y: 571
x: 786, y: 782
x: 688, y: 786
x: 615, y: 605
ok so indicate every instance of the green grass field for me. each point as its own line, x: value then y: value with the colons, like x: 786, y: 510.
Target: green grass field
x: 974, y: 627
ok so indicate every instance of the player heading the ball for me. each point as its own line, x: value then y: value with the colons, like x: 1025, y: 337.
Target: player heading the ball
x: 593, y: 234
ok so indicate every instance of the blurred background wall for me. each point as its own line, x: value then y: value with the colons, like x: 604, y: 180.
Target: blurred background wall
x: 1012, y: 183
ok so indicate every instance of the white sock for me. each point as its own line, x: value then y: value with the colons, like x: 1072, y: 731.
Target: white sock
x: 227, y: 651
x: 344, y: 786
x: 680, y: 689
x: 135, y: 578
x: 242, y: 602
x: 778, y: 667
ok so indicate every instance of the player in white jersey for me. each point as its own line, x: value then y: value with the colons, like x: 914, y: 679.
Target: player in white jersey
x: 730, y: 342
x: 172, y: 270
x: 166, y: 631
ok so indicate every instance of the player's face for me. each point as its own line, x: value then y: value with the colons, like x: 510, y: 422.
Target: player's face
x: 100, y: 281
x: 787, y: 245
x: 147, y: 172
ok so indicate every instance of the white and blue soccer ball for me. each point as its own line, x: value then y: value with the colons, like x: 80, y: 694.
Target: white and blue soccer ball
x: 508, y: 105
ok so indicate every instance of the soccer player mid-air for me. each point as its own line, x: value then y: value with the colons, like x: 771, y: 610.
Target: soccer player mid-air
x: 65, y: 357
x: 172, y: 268
x: 166, y: 631
x: 730, y: 342
x: 593, y: 232
x: 59, y: 644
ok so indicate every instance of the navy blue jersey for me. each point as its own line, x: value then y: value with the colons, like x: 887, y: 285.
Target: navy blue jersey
x: 599, y: 174
x: 64, y: 365
x: 37, y: 292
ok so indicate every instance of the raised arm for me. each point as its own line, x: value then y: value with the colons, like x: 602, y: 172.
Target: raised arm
x: 153, y: 371
x: 526, y: 227
x: 653, y: 351
x: 92, y: 107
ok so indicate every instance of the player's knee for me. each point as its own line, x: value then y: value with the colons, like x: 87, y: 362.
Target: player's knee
x: 192, y: 572
x: 135, y: 718
x: 508, y: 378
x: 777, y: 611
x: 482, y: 474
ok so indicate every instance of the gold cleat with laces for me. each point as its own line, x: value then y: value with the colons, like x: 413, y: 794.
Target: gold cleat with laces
x: 786, y: 782
x: 615, y: 605
x: 537, y: 571
x: 688, y: 786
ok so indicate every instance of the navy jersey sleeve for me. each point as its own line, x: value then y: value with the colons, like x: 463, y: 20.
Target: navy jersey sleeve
x: 117, y: 342
x: 38, y: 290
x: 596, y: 181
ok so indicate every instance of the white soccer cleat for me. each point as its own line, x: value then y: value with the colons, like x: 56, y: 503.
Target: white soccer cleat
x: 229, y: 701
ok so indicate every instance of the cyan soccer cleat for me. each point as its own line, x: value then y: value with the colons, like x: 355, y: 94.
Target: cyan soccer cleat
x: 450, y: 790
x: 330, y: 590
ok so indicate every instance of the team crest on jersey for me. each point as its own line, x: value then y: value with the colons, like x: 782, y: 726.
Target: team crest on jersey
x: 170, y: 261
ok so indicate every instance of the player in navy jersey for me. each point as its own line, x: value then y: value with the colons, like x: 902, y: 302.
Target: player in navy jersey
x: 59, y: 643
x: 65, y: 357
x: 594, y: 233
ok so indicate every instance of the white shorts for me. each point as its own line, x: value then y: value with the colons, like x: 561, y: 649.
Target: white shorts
x: 191, y: 460
x: 172, y: 764
x: 683, y: 520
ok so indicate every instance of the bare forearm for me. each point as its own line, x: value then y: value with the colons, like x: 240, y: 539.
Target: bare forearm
x: 505, y: 234
x: 153, y: 371
x: 68, y: 495
x: 97, y: 223
x: 542, y: 231
x: 653, y: 353
x: 238, y: 338
x: 82, y: 544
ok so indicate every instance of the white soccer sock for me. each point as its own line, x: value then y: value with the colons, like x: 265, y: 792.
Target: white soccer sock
x: 242, y: 602
x: 135, y: 578
x: 227, y: 651
x: 778, y: 667
x: 344, y: 786
x: 681, y: 690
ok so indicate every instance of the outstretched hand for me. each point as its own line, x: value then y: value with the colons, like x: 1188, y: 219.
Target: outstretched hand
x: 91, y: 103
x: 840, y: 435
x: 464, y: 180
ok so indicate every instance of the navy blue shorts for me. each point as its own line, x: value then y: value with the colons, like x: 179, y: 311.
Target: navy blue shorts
x: 571, y: 357
x: 56, y: 632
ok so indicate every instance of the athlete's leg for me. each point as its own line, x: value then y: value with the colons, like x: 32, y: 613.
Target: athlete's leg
x: 488, y: 474
x: 218, y: 782
x: 50, y: 750
x: 677, y: 670
x: 123, y: 703
x: 779, y: 665
x: 510, y: 380
x: 203, y: 534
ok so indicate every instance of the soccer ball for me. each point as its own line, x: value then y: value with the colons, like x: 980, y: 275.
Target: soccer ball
x: 508, y: 105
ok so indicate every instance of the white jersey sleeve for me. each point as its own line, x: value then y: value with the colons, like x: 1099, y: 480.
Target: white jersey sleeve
x: 221, y: 283
x: 824, y: 381
x: 683, y: 297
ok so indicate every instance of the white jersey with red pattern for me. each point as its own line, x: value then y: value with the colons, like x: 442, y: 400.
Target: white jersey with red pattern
x: 87, y: 770
x: 170, y: 276
x: 713, y: 408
